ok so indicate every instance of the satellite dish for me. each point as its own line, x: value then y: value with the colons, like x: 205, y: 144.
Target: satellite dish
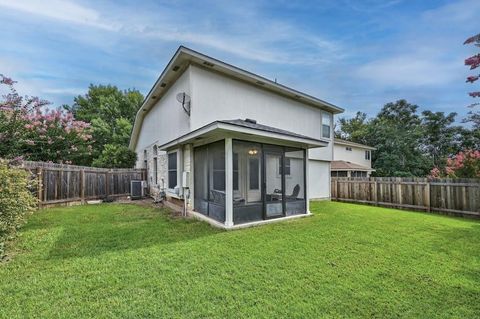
x: 185, y: 100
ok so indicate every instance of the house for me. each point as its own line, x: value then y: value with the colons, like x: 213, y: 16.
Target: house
x: 351, y: 159
x: 235, y: 148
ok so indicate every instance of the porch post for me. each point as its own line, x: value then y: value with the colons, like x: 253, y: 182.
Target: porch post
x: 228, y: 182
x: 307, y: 188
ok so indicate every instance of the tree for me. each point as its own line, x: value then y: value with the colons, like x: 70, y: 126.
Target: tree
x: 440, y: 139
x: 462, y: 165
x: 28, y: 129
x: 473, y: 62
x: 354, y: 129
x: 396, y: 132
x: 111, y: 113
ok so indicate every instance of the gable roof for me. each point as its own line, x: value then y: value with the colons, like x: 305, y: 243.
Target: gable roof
x: 185, y: 57
x: 348, y: 143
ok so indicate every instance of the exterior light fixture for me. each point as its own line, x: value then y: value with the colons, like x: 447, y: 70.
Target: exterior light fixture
x: 252, y: 151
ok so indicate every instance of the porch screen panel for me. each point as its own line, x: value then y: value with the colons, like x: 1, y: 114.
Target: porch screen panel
x: 209, y: 180
x: 295, y: 182
x: 216, y: 168
x: 201, y: 180
x: 247, y: 193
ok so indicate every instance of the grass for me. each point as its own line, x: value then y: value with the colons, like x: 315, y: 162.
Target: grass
x: 347, y: 260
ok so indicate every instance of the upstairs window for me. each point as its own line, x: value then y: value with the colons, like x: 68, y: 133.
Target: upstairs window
x: 367, y: 155
x: 172, y: 170
x: 326, y: 124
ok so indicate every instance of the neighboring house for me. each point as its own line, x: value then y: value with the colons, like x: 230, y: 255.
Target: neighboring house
x: 351, y: 159
x: 237, y: 147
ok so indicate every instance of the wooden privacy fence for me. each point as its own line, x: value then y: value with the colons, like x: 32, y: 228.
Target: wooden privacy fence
x: 61, y: 184
x: 450, y: 196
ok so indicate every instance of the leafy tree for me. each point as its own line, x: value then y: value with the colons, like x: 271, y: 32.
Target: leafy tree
x: 462, y: 165
x: 29, y: 130
x: 115, y: 156
x: 440, y: 139
x: 354, y: 129
x: 111, y: 113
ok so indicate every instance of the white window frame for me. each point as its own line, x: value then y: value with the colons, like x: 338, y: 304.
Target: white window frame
x: 368, y: 155
x: 177, y: 151
x: 326, y: 116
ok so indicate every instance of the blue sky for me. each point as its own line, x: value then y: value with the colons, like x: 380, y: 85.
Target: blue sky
x: 356, y: 54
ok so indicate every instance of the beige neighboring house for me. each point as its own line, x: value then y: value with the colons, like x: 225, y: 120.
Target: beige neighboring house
x: 351, y: 159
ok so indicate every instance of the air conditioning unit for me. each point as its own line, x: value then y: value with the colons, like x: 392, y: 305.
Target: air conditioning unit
x: 137, y: 189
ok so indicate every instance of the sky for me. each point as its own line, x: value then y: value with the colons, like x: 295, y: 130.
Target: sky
x: 358, y: 55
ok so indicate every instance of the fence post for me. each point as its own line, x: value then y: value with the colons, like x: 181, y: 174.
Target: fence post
x: 375, y: 184
x: 82, y: 185
x: 335, y: 188
x: 427, y: 196
x: 107, y: 184
x: 39, y: 186
x: 399, y: 190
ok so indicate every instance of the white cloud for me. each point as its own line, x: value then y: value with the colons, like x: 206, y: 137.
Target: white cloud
x: 410, y: 70
x: 66, y: 11
x: 249, y: 34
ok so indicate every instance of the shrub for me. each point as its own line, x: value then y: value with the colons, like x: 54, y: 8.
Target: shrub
x: 16, y: 201
x: 465, y: 164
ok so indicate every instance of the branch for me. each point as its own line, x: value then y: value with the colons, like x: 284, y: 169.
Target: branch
x: 473, y: 61
x: 472, y: 78
x: 474, y: 94
x: 475, y: 38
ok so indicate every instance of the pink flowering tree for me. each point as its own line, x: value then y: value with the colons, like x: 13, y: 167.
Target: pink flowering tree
x: 463, y: 165
x: 30, y: 130
x: 473, y: 62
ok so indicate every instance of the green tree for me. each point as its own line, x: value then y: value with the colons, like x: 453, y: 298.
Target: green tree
x: 397, y: 133
x: 111, y: 113
x: 354, y: 129
x: 440, y: 138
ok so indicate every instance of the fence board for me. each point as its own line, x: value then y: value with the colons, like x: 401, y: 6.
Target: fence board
x: 61, y: 183
x: 451, y: 196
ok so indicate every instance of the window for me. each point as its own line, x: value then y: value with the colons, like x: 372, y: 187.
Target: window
x: 254, y: 165
x: 367, y: 155
x: 145, y: 159
x: 349, y: 149
x: 172, y: 170
x: 326, y: 124
x: 287, y: 166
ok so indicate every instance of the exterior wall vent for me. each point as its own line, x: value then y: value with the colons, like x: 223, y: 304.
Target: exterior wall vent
x: 260, y: 82
x: 175, y: 68
x: 208, y: 64
x: 251, y: 121
x: 163, y: 84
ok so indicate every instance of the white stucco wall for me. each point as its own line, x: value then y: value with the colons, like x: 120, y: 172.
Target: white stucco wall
x: 216, y: 97
x: 319, y: 179
x: 166, y: 120
x: 356, y: 155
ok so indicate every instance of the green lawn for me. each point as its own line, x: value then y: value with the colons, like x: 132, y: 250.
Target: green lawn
x: 347, y: 260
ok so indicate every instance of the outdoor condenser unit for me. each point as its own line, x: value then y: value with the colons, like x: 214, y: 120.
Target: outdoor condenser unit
x: 137, y: 189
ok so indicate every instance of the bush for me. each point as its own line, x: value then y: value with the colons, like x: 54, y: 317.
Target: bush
x: 16, y: 201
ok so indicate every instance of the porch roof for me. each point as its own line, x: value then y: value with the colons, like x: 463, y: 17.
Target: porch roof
x: 348, y: 166
x: 246, y: 130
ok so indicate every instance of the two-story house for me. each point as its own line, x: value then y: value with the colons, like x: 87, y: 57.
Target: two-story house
x: 351, y: 159
x: 235, y: 147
